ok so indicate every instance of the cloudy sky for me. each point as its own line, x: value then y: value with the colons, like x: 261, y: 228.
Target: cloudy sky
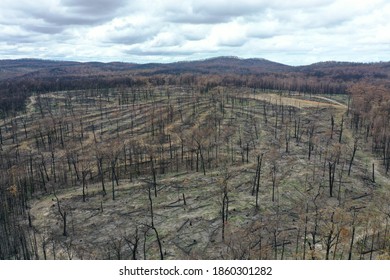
x: 292, y: 32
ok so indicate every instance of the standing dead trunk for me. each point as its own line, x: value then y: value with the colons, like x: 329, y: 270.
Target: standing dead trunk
x: 353, y: 156
x: 332, y: 169
x: 257, y: 178
x: 62, y: 214
x: 152, y: 223
x: 341, y: 129
x: 153, y: 176
x: 352, y: 237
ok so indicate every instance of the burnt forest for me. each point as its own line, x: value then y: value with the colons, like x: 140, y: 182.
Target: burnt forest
x: 222, y: 158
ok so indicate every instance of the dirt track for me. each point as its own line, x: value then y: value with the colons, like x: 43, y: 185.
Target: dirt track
x: 297, y: 102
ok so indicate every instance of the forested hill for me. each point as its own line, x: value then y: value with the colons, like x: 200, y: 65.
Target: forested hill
x: 10, y: 69
x: 47, y: 68
x: 19, y: 78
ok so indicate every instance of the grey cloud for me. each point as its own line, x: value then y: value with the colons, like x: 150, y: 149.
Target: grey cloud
x: 129, y: 39
x: 267, y: 28
x: 159, y: 52
x: 171, y: 40
x: 236, y: 42
x: 193, y: 37
x: 45, y: 29
x: 164, y: 30
x: 205, y: 16
x: 130, y: 34
x: 17, y: 39
x: 227, y: 11
x: 69, y: 19
x: 209, y: 12
x: 262, y: 34
x: 76, y: 12
x: 14, y: 35
x: 304, y: 20
x: 219, y: 11
x: 93, y: 7
x: 298, y: 4
x: 198, y: 18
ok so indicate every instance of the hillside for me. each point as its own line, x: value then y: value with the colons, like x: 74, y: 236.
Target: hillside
x: 10, y: 69
x: 19, y: 78
x: 168, y: 172
x: 46, y: 68
x: 223, y: 158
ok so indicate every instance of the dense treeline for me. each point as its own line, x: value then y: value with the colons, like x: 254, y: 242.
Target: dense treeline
x: 14, y: 94
x: 371, y: 117
x: 17, y: 83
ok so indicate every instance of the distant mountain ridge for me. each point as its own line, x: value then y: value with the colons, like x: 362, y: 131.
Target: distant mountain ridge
x: 224, y: 64
x: 38, y: 68
x: 22, y: 77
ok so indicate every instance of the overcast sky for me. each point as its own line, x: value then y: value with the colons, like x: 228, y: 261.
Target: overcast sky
x: 293, y: 32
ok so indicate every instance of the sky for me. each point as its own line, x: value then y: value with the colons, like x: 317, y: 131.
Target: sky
x: 298, y: 32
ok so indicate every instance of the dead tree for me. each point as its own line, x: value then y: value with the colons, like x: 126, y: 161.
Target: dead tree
x: 99, y: 161
x: 153, y: 169
x: 225, y: 204
x: 133, y: 242
x: 332, y: 124
x: 62, y: 213
x: 311, y: 140
x: 353, y: 156
x: 274, y: 180
x: 152, y: 222
x: 341, y: 128
x: 352, y: 236
x: 332, y: 236
x: 256, y: 183
x: 332, y: 169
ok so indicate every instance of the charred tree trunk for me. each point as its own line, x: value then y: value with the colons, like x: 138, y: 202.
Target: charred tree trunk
x: 256, y: 185
x: 62, y: 214
x: 353, y: 156
x: 332, y: 169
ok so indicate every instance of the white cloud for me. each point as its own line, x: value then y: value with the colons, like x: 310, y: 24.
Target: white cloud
x: 293, y: 32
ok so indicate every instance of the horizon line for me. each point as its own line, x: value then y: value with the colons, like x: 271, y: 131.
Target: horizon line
x: 189, y: 60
